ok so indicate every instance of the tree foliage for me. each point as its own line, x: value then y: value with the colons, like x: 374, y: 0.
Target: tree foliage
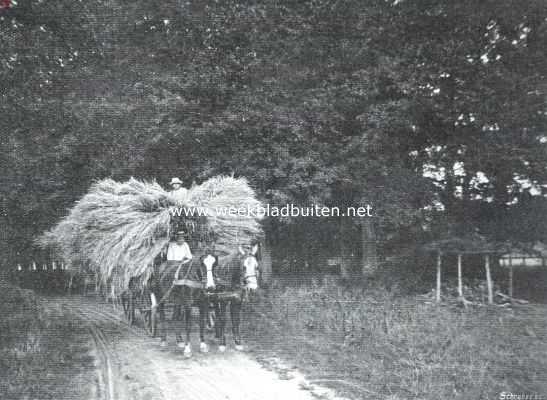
x: 316, y: 102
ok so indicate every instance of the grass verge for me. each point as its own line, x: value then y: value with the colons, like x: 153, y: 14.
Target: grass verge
x: 370, y: 343
x: 43, y: 354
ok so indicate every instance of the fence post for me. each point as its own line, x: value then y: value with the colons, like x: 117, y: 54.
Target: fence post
x: 488, y: 279
x: 438, y: 294
x: 460, y: 285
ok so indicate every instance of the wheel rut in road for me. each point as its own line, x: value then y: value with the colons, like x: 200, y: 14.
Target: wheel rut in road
x: 132, y: 366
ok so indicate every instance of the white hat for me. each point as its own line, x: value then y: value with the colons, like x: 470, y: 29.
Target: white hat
x: 175, y: 180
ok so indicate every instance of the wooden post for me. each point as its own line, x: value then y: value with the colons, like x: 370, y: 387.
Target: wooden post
x: 460, y: 285
x: 488, y: 279
x: 345, y: 248
x: 511, y: 278
x: 438, y: 298
x: 369, y: 258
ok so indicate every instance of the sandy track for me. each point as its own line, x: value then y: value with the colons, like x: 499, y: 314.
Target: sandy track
x: 132, y: 366
x: 106, y: 381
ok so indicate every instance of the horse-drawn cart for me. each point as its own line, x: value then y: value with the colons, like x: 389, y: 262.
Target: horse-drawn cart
x: 121, y: 230
x: 138, y: 308
x: 140, y: 304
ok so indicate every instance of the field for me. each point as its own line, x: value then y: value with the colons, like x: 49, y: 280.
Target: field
x: 371, y: 343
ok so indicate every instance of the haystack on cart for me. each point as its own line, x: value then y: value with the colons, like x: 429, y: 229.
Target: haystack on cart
x: 119, y: 230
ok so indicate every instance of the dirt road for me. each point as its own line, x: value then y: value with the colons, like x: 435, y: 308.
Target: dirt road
x: 132, y: 366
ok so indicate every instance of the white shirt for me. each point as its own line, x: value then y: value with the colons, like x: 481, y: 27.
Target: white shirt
x: 181, y: 194
x: 178, y: 252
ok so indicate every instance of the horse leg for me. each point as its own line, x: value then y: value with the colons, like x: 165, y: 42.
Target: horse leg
x: 211, y: 318
x: 178, y: 319
x: 177, y: 312
x: 188, y: 320
x: 216, y: 307
x: 162, y: 324
x: 235, y: 312
x: 203, y: 315
x: 221, y: 320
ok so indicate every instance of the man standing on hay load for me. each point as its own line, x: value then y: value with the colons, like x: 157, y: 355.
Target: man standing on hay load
x: 179, y: 192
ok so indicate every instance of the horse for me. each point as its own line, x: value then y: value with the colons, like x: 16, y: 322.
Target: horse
x: 240, y: 273
x: 194, y: 281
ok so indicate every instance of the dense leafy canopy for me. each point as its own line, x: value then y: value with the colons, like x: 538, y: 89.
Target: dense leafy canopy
x: 316, y: 102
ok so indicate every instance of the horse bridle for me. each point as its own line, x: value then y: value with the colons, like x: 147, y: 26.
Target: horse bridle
x: 244, y: 268
x: 203, y: 267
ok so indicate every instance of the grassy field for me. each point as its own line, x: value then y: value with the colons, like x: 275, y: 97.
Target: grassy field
x: 43, y: 355
x: 372, y: 343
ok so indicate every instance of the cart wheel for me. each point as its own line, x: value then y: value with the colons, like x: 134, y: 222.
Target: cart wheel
x: 150, y: 322
x: 151, y: 317
x: 125, y: 303
x: 130, y: 309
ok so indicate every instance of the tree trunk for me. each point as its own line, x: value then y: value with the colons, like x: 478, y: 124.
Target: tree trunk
x: 291, y: 250
x: 369, y: 260
x: 511, y: 278
x: 447, y: 195
x: 265, y: 263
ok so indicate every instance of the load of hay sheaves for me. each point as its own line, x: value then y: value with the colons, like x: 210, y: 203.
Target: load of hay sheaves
x: 118, y: 229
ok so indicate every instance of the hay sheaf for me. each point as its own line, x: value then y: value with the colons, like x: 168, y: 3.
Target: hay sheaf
x: 118, y: 229
x: 219, y: 198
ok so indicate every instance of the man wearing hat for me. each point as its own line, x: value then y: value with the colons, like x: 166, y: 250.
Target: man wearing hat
x: 179, y: 257
x: 179, y: 192
x: 179, y: 249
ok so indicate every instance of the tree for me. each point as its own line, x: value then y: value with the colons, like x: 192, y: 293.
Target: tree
x: 478, y: 96
x: 316, y: 102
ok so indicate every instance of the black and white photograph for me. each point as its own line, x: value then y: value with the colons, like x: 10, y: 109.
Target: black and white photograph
x: 273, y: 200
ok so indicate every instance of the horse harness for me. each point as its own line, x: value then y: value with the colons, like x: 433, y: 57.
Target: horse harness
x: 185, y: 281
x: 179, y: 282
x: 193, y: 284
